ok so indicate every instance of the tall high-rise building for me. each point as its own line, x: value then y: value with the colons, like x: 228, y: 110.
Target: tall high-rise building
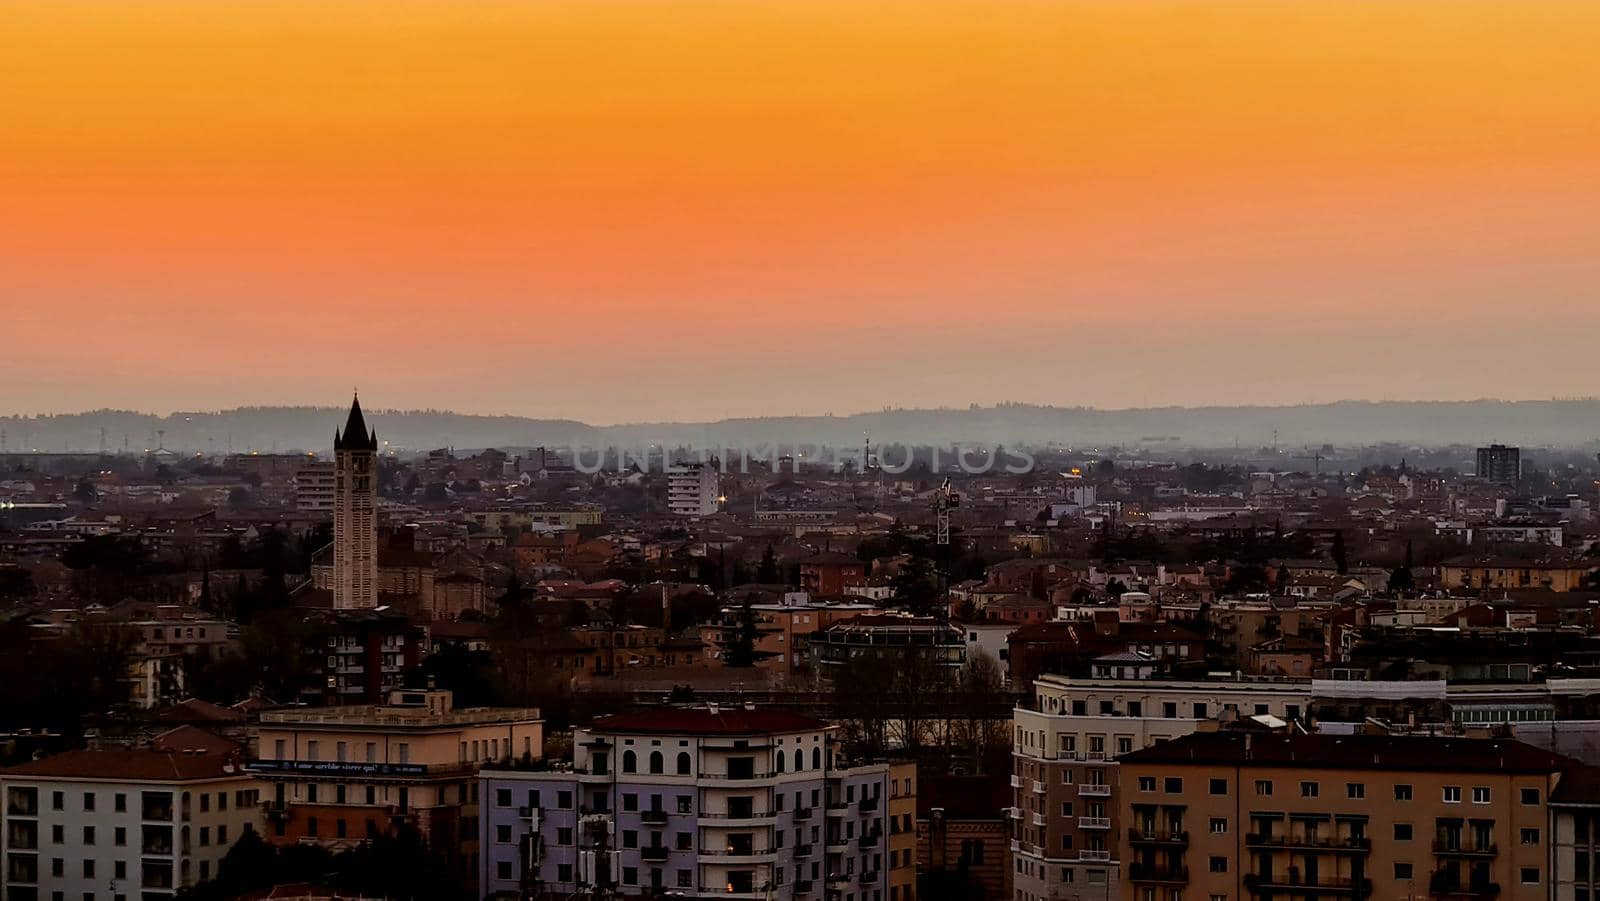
x: 355, y: 513
x: 1500, y: 464
x: 692, y: 489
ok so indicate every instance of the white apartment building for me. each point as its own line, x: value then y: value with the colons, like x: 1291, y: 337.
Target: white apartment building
x: 692, y: 489
x: 115, y: 825
x: 702, y: 803
x: 314, y: 488
x: 1064, y: 776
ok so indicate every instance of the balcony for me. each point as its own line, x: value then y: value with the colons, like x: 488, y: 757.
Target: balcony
x: 803, y: 887
x: 868, y: 877
x: 1171, y: 874
x: 1015, y: 812
x: 1094, y: 855
x: 1018, y: 781
x: 1094, y: 822
x: 1094, y: 790
x: 837, y: 806
x: 1178, y: 838
x: 1293, y: 882
x: 869, y: 840
x: 869, y: 804
x: 653, y: 853
x: 838, y: 844
x: 1039, y: 787
x: 1455, y: 848
x: 802, y: 813
x: 1352, y: 844
x: 802, y: 851
x: 1448, y: 884
x: 1040, y: 820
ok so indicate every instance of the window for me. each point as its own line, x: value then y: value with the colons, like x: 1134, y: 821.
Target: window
x: 119, y: 803
x: 630, y: 762
x: 683, y: 763
x: 1480, y: 794
x: 88, y: 835
x: 88, y: 800
x: 1219, y: 786
x: 1355, y: 790
x: 502, y: 797
x: 1147, y: 783
x: 1530, y: 836
x: 1308, y: 789
x: 658, y: 763
x: 1452, y: 794
x: 502, y: 834
x: 1264, y: 787
x: 1219, y: 865
x: 1402, y: 871
x: 1219, y: 826
x: 502, y: 869
x: 1402, y: 792
x: 1402, y: 832
x: 1528, y: 875
x: 1199, y: 711
x: 1174, y: 785
x: 1530, y: 796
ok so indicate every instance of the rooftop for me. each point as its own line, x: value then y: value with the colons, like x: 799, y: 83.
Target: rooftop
x: 125, y: 766
x: 707, y: 721
x: 1353, y: 752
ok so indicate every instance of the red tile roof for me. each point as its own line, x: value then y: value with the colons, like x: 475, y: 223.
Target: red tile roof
x: 118, y: 766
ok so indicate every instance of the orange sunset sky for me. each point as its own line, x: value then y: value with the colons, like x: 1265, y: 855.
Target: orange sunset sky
x: 621, y: 211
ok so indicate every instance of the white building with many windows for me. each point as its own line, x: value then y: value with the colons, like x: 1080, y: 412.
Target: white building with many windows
x: 754, y: 805
x: 692, y: 489
x: 115, y: 825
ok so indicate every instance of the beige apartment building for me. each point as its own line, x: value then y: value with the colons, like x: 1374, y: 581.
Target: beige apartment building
x: 339, y: 775
x: 1066, y: 748
x: 1226, y: 815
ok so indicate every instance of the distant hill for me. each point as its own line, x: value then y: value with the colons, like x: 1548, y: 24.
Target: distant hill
x: 1557, y: 423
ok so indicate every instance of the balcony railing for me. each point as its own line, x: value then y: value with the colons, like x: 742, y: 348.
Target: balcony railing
x: 1018, y: 781
x: 1455, y: 848
x: 1292, y: 881
x: 1094, y: 790
x: 654, y: 853
x: 802, y: 813
x: 1353, y: 843
x: 1094, y: 822
x: 1156, y: 837
x: 1096, y: 855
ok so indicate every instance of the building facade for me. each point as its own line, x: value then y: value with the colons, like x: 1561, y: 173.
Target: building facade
x: 704, y: 802
x: 355, y: 514
x: 337, y: 776
x: 115, y: 825
x: 692, y: 489
x: 1500, y: 464
x: 1238, y: 815
x: 1066, y: 753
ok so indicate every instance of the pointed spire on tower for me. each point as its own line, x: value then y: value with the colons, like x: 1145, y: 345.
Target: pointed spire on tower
x: 356, y: 436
